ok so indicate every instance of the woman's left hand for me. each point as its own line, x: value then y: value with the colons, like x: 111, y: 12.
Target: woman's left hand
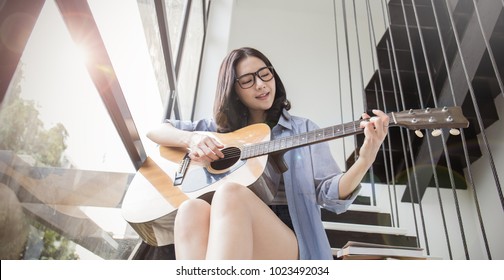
x: 375, y: 131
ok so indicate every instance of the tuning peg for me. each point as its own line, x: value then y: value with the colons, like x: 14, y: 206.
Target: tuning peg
x: 419, y: 133
x: 454, y: 131
x: 436, y: 132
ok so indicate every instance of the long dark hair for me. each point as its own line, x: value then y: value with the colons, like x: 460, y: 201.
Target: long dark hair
x: 229, y: 112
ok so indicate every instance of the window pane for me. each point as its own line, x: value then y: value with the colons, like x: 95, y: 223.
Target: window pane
x: 190, y: 60
x: 147, y: 11
x: 127, y: 47
x: 64, y: 167
x: 174, y: 14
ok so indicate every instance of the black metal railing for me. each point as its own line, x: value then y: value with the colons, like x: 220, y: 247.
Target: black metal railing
x: 434, y: 54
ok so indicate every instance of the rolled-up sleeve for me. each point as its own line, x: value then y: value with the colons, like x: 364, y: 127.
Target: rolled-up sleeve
x: 327, y: 175
x: 328, y: 195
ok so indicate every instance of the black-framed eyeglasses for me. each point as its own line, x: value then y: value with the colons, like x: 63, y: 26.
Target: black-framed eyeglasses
x: 248, y: 80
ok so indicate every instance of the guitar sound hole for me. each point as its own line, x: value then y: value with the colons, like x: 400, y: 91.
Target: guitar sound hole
x: 231, y: 156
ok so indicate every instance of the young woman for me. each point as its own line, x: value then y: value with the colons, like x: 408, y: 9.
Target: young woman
x: 237, y: 224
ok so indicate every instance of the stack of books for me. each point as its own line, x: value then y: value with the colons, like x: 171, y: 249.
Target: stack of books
x: 370, y: 251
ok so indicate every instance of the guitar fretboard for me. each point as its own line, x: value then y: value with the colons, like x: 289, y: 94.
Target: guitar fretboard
x: 303, y: 139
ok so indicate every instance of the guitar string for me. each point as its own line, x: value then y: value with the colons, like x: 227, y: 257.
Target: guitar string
x: 310, y: 137
x: 263, y: 148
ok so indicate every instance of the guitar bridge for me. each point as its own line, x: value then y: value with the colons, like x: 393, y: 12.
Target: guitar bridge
x: 180, y: 174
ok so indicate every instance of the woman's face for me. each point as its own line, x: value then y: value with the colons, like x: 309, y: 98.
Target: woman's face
x: 255, y: 87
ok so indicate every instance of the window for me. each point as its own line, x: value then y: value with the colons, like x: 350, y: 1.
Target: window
x: 64, y: 163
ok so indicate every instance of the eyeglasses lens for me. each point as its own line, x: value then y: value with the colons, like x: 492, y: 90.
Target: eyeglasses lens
x: 248, y: 80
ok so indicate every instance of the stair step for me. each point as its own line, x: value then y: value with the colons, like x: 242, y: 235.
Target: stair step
x: 364, y: 208
x: 362, y: 200
x: 364, y: 228
x: 358, y: 217
x: 338, y: 238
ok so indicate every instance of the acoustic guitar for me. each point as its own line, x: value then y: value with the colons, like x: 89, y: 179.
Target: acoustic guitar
x: 168, y: 178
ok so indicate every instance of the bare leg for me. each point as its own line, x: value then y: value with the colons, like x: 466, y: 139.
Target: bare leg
x: 243, y: 227
x: 191, y: 229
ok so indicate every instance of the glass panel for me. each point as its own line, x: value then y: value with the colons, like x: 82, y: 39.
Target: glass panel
x: 147, y: 11
x: 127, y: 47
x: 63, y: 167
x: 191, y: 59
x: 174, y: 14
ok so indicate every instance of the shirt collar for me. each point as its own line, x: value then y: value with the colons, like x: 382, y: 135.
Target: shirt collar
x: 284, y: 119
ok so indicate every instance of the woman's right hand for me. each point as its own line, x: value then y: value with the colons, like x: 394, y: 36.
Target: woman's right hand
x: 204, y: 148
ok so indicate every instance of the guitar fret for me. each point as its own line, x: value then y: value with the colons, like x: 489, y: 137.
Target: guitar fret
x: 282, y: 143
x: 295, y: 140
x: 267, y: 147
x: 250, y: 152
x: 264, y: 148
x: 309, y: 137
x: 328, y: 132
x: 288, y: 141
x: 302, y: 139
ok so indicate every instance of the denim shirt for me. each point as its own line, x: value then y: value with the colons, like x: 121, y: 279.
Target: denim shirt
x: 311, y: 182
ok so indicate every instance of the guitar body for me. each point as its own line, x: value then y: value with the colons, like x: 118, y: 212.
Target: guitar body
x: 153, y: 197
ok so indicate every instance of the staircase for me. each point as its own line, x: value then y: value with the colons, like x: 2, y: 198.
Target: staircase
x: 399, y: 84
x: 403, y: 81
x: 365, y: 223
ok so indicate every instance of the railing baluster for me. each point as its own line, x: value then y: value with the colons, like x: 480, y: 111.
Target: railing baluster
x: 408, y: 175
x: 374, y: 56
x: 349, y: 72
x: 419, y: 90
x: 339, y: 78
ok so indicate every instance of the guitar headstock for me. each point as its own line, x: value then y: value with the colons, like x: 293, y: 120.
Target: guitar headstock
x: 430, y: 118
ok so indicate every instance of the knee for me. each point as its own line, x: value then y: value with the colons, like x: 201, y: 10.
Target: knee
x: 230, y: 196
x: 192, y: 214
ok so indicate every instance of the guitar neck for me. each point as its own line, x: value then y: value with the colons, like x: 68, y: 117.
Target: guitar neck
x: 308, y: 138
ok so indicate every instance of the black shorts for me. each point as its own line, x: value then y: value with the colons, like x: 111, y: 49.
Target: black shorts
x: 282, y: 211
